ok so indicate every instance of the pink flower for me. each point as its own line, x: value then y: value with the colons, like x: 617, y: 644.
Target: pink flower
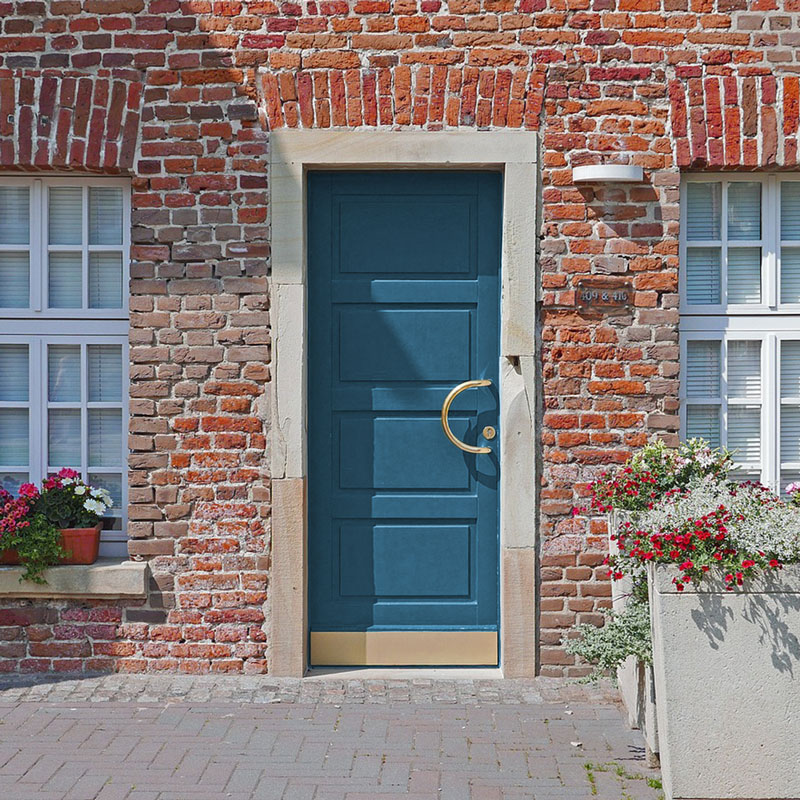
x: 67, y: 472
x: 28, y: 490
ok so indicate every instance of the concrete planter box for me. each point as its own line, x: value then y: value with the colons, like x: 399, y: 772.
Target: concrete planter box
x: 634, y: 678
x: 726, y: 667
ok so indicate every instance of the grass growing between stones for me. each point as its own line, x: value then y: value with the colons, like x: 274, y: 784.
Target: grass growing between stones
x: 617, y: 769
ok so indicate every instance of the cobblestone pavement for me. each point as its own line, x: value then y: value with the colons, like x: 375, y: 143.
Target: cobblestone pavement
x: 334, y: 738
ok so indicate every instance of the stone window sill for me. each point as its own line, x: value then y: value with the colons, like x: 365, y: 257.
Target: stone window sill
x: 107, y: 578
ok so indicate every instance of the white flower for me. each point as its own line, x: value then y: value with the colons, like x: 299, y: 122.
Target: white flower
x: 95, y: 506
x: 80, y: 490
x: 67, y: 481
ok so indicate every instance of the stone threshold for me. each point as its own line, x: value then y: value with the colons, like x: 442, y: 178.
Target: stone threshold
x: 107, y: 578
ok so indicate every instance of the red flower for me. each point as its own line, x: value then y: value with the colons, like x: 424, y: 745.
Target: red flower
x: 686, y: 565
x: 747, y: 563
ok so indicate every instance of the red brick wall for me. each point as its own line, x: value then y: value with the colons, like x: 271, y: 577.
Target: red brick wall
x: 666, y: 84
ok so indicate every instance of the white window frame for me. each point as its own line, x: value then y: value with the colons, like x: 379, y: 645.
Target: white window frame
x: 770, y: 322
x: 38, y: 326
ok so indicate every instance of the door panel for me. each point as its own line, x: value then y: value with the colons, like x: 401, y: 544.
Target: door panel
x: 403, y: 276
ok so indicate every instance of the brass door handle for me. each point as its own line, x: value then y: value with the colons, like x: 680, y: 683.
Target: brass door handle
x: 448, y: 401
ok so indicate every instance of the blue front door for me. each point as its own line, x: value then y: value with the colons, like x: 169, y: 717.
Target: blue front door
x: 403, y: 276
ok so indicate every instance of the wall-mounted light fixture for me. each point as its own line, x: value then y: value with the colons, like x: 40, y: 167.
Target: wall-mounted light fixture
x: 607, y: 173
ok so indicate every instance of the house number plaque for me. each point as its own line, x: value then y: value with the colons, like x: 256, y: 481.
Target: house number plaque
x: 603, y: 292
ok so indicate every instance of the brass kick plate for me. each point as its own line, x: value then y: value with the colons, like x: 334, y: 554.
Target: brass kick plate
x: 404, y: 648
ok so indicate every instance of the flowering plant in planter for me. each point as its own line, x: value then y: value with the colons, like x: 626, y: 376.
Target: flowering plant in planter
x: 68, y: 502
x: 687, y: 514
x: 28, y: 537
x: 655, y: 470
x: 60, y: 524
x: 712, y: 527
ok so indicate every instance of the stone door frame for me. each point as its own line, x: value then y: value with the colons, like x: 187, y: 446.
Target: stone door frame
x: 292, y: 154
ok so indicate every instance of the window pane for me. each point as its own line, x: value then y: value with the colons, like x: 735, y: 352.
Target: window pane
x: 702, y: 368
x: 744, y: 369
x: 64, y: 437
x: 743, y: 474
x: 105, y: 437
x: 703, y: 205
x: 790, y: 209
x: 744, y: 275
x: 14, y: 280
x: 790, y: 433
x: 14, y: 215
x: 702, y: 422
x: 14, y: 436
x: 65, y: 214
x: 65, y: 280
x: 105, y: 280
x: 112, y: 484
x: 703, y: 275
x: 790, y: 275
x: 790, y: 369
x: 64, y: 373
x: 14, y: 372
x: 744, y: 434
x: 788, y: 476
x: 105, y: 215
x: 744, y: 210
x: 105, y: 373
x: 11, y: 481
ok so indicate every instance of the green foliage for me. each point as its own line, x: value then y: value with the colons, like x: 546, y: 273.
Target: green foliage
x: 62, y: 506
x: 38, y: 545
x: 625, y: 633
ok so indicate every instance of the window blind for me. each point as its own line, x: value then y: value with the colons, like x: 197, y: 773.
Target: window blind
x: 703, y: 368
x: 105, y: 215
x: 105, y: 280
x: 14, y: 437
x: 744, y: 275
x: 744, y: 210
x: 744, y: 433
x: 105, y: 373
x: 14, y: 280
x: 105, y: 437
x: 790, y: 210
x: 14, y: 373
x: 790, y: 433
x: 790, y: 370
x: 65, y: 215
x: 703, y: 211
x: 790, y: 274
x: 703, y: 275
x: 744, y: 369
x: 702, y: 422
x: 14, y: 215
x: 64, y: 437
x: 64, y: 373
x: 65, y: 280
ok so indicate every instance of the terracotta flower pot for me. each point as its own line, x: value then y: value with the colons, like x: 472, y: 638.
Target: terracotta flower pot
x: 81, y: 544
x: 9, y: 557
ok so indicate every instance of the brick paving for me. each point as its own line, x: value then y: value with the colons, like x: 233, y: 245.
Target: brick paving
x: 171, y: 737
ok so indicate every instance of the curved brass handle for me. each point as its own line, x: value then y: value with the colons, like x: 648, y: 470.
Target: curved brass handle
x: 448, y: 401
